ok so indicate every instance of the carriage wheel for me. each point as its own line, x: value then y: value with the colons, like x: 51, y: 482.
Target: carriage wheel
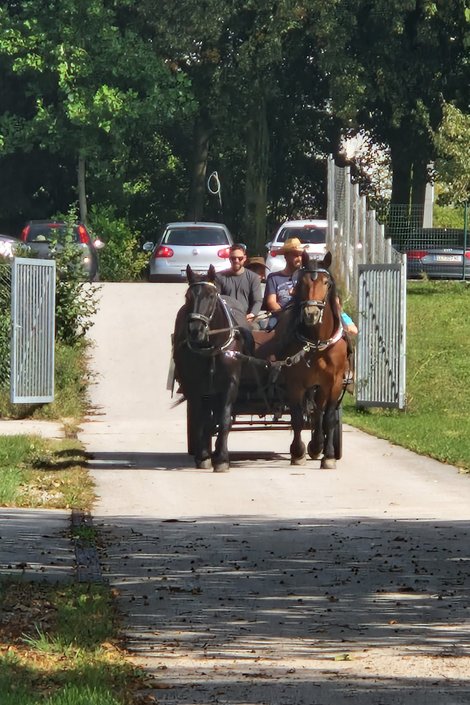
x: 190, y: 440
x: 338, y: 434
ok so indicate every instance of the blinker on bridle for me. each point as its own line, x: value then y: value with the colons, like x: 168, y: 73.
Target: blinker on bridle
x: 317, y: 302
x: 200, y: 316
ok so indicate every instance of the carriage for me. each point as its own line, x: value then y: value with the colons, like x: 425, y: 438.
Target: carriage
x: 228, y: 385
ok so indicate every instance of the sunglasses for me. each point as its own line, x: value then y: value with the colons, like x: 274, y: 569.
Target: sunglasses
x: 234, y: 259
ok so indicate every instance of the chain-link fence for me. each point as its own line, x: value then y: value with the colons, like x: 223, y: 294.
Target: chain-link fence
x: 5, y: 324
x: 439, y: 253
x: 355, y: 234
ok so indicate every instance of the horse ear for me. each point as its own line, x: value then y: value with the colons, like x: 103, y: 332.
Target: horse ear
x: 327, y: 260
x: 189, y: 274
x: 305, y: 259
x: 211, y: 273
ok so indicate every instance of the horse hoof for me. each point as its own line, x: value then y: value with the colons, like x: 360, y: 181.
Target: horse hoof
x: 298, y: 461
x: 222, y: 467
x: 313, y: 453
x: 204, y: 464
x: 328, y: 464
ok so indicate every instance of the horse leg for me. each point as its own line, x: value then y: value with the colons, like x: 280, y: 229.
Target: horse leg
x: 297, y: 447
x: 203, y: 436
x: 329, y: 420
x: 220, y: 457
x: 315, y: 446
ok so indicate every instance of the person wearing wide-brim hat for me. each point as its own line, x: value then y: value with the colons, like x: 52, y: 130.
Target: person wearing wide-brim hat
x: 257, y: 265
x: 280, y: 285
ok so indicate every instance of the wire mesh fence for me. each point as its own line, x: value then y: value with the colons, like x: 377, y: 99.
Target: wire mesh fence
x: 355, y: 233
x: 439, y: 253
x: 5, y: 324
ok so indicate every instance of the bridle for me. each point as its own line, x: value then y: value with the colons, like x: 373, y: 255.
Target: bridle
x: 317, y: 303
x: 193, y: 317
x: 320, y: 305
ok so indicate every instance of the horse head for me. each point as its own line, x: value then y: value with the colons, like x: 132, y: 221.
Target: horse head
x: 201, y: 304
x: 313, y: 289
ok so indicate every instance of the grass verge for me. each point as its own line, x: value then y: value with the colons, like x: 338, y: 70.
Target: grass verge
x: 435, y: 422
x: 71, y: 378
x: 59, y: 646
x: 37, y: 472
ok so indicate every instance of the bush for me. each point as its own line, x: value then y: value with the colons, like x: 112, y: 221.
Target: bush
x: 5, y: 322
x: 121, y: 258
x: 76, y: 299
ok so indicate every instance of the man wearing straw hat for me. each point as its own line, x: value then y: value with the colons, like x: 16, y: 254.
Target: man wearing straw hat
x: 280, y: 285
x: 278, y: 296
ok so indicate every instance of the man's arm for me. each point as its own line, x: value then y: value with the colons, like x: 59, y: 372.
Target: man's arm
x: 255, y: 295
x: 271, y: 294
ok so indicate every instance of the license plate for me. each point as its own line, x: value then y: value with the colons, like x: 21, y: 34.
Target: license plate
x: 196, y: 271
x: 448, y: 258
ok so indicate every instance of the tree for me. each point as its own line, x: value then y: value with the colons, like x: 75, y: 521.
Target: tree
x: 403, y: 59
x: 86, y: 83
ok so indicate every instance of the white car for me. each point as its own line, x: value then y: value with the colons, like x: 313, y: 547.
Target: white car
x: 312, y: 233
x: 7, y: 246
x: 197, y: 244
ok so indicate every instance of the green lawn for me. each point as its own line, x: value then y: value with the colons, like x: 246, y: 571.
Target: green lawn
x: 436, y: 421
x: 59, y: 646
x: 35, y: 472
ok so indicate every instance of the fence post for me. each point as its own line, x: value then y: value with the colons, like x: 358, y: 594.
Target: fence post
x: 330, y: 204
x: 347, y: 229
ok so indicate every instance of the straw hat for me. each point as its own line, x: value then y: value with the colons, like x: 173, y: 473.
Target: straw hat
x: 293, y: 244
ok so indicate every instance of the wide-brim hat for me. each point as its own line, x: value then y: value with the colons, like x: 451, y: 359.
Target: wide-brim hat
x: 256, y: 261
x: 293, y: 244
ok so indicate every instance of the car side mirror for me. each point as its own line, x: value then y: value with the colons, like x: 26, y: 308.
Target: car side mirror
x: 148, y: 246
x: 99, y: 244
x: 268, y: 245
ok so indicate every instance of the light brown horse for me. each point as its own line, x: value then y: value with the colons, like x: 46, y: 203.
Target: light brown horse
x: 319, y: 353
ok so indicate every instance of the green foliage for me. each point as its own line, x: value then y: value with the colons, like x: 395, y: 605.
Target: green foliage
x: 5, y: 322
x: 121, y: 259
x: 452, y: 165
x: 76, y: 300
x: 448, y: 217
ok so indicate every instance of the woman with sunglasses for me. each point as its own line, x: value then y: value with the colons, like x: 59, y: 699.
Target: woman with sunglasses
x: 241, y: 284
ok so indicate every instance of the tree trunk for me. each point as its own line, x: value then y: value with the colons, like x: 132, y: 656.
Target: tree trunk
x: 197, y: 190
x: 400, y: 152
x: 81, y: 188
x: 256, y: 184
x: 420, y: 179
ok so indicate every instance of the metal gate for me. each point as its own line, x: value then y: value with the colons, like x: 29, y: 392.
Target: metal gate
x: 381, y: 342
x: 33, y: 331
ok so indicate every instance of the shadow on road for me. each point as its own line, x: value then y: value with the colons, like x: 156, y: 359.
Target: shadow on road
x: 243, y: 610
x: 168, y: 461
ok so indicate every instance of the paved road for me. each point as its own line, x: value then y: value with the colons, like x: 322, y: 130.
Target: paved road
x: 270, y: 584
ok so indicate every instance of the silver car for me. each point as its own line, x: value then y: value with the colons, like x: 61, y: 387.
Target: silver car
x: 197, y: 244
x: 311, y: 233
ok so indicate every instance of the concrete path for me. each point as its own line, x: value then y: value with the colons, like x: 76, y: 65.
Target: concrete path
x: 270, y: 584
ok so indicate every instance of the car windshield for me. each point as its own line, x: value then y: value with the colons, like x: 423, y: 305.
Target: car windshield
x: 195, y: 236
x: 49, y: 233
x: 307, y: 234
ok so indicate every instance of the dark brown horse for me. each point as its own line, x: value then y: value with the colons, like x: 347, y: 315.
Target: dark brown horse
x: 319, y: 353
x: 205, y: 351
